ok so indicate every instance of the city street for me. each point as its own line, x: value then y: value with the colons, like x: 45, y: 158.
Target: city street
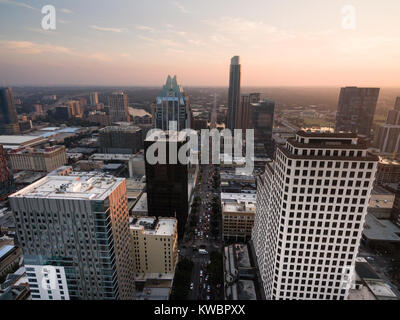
x: 198, y: 248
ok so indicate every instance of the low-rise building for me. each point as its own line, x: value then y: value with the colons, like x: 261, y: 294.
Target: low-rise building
x: 42, y: 160
x: 367, y: 285
x: 140, y: 206
x: 10, y: 256
x: 237, y: 216
x: 241, y: 276
x: 381, y: 203
x: 388, y: 171
x: 155, y: 244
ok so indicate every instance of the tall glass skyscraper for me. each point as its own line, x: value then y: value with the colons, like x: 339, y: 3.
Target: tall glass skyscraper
x: 172, y: 105
x: 8, y: 114
x: 74, y: 233
x: 234, y: 92
x: 356, y: 110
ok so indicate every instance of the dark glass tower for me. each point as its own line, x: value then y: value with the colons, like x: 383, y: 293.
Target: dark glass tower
x: 356, y: 110
x: 234, y: 92
x: 167, y: 184
x: 262, y: 121
x: 6, y: 179
x: 8, y: 113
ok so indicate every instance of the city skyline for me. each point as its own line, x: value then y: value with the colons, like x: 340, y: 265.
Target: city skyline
x: 285, y: 43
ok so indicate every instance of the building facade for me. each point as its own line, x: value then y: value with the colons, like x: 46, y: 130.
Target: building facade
x: 34, y: 159
x: 121, y: 139
x: 356, y: 110
x: 168, y: 184
x: 155, y: 244
x: 234, y: 92
x: 74, y: 233
x: 118, y: 103
x: 6, y: 179
x: 238, y: 212
x: 8, y: 113
x: 172, y: 105
x: 387, y: 136
x: 311, y: 207
x: 262, y: 121
x: 94, y: 98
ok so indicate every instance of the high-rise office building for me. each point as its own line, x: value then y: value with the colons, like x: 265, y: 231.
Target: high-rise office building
x: 6, y: 178
x: 242, y: 119
x: 261, y: 119
x: 234, y: 93
x: 387, y: 136
x: 74, y: 233
x: 244, y: 115
x: 356, y: 110
x: 8, y: 113
x: 172, y: 105
x: 397, y: 104
x: 94, y: 98
x: 168, y: 184
x: 76, y: 108
x: 311, y: 207
x: 119, y: 104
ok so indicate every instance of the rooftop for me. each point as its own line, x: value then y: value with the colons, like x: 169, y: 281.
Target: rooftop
x: 129, y: 129
x: 111, y: 156
x: 140, y: 205
x: 388, y: 161
x: 326, y: 135
x: 154, y: 226
x: 380, y: 229
x: 76, y: 186
x: 5, y: 250
x: 241, y: 197
x: 9, y: 141
x: 169, y: 135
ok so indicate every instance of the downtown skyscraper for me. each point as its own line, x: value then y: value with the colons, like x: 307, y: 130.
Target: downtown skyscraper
x: 74, y: 233
x: 234, y: 93
x: 8, y: 113
x: 118, y: 103
x: 387, y: 136
x: 172, y: 105
x: 312, y: 202
x: 356, y: 110
x: 167, y: 184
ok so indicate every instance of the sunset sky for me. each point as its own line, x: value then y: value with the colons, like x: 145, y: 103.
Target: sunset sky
x: 128, y: 42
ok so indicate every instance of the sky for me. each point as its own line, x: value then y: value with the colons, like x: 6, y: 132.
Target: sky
x: 132, y: 42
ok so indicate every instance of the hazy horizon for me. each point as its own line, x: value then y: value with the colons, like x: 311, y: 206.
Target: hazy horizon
x: 285, y: 43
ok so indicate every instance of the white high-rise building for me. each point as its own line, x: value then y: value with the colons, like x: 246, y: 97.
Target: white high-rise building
x: 311, y: 205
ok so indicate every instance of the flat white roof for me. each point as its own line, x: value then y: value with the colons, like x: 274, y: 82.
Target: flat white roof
x: 16, y: 140
x: 233, y: 197
x: 164, y: 226
x: 76, y: 186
